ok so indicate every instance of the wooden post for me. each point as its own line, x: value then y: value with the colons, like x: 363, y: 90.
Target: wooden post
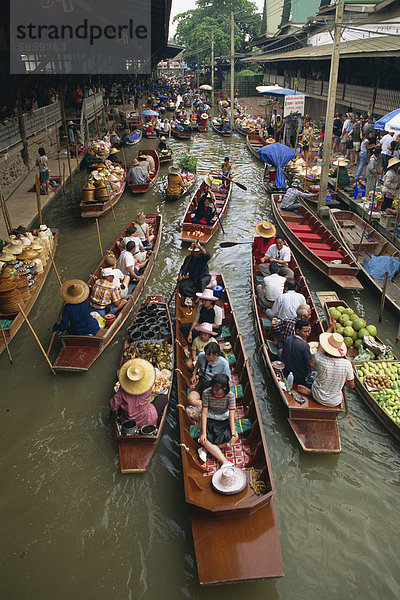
x: 38, y: 200
x: 337, y: 176
x: 55, y: 269
x: 124, y: 104
x: 97, y: 125
x: 76, y: 155
x: 58, y: 152
x: 123, y: 156
x: 99, y: 238
x: 111, y: 204
x: 383, y: 297
x: 21, y: 122
x: 5, y: 212
x: 37, y: 339
x: 61, y: 97
x: 63, y: 179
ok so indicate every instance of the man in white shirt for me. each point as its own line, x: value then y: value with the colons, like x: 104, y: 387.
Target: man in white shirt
x: 285, y: 306
x: 279, y: 253
x: 386, y: 143
x: 272, y: 286
x: 127, y: 264
x: 131, y: 236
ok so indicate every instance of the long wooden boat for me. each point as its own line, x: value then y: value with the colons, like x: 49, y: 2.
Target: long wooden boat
x: 98, y: 209
x: 254, y: 143
x: 224, y: 134
x: 136, y: 451
x: 317, y: 244
x: 361, y: 240
x: 329, y: 300
x: 16, y: 321
x: 187, y: 191
x: 165, y: 158
x: 180, y: 135
x: 142, y: 188
x: 241, y: 130
x: 137, y: 136
x: 79, y: 352
x: 313, y: 424
x: 235, y: 537
x: 193, y: 231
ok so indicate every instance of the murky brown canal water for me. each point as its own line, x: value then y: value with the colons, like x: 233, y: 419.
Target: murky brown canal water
x: 73, y: 526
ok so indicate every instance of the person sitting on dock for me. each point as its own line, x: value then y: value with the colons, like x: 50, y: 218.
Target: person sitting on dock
x: 290, y: 199
x: 207, y: 312
x: 136, y: 175
x: 194, y: 275
x: 266, y: 232
x: 76, y: 318
x: 209, y: 363
x: 285, y: 306
x: 128, y: 265
x: 105, y: 298
x: 278, y: 253
x: 205, y: 332
x: 297, y: 354
x: 333, y: 371
x: 272, y: 286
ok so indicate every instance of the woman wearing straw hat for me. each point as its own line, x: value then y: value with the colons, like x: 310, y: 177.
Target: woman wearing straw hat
x: 132, y: 401
x: 76, y: 318
x: 266, y: 232
x: 205, y: 209
x: 391, y: 183
x: 333, y: 371
x: 136, y: 175
x: 207, y: 312
x: 176, y: 186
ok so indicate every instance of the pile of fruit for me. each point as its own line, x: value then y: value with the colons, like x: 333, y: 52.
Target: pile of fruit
x: 162, y: 381
x: 379, y: 375
x: 389, y: 400
x: 352, y: 327
x: 159, y: 355
x: 378, y: 382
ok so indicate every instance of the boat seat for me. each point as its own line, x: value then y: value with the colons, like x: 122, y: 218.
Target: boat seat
x: 328, y: 255
x: 299, y: 227
x: 266, y: 323
x: 292, y: 218
x: 272, y: 347
x: 317, y: 246
x: 309, y: 237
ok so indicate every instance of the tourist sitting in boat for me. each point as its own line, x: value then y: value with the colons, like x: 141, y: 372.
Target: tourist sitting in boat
x: 143, y: 230
x: 129, y: 265
x: 205, y: 333
x: 297, y: 354
x: 205, y: 208
x: 105, y: 298
x: 285, y: 306
x: 209, y: 363
x: 176, y: 185
x: 217, y: 428
x: 207, y: 312
x: 162, y: 147
x: 76, y: 318
x: 145, y: 165
x: 225, y: 126
x: 179, y: 127
x: 136, y: 175
x: 111, y: 262
x: 278, y: 253
x: 272, y: 286
x: 290, y: 199
x: 226, y: 172
x: 132, y: 401
x: 334, y: 371
x: 266, y: 232
x: 194, y: 275
x: 283, y: 328
x: 131, y: 236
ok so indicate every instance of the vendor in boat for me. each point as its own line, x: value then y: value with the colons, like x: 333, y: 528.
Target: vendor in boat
x: 105, y: 298
x: 176, y: 185
x: 334, y: 371
x: 209, y: 363
x: 225, y: 126
x: 293, y: 193
x: 162, y: 147
x: 76, y: 318
x: 205, y: 209
x: 145, y: 164
x: 226, y: 172
x: 297, y: 354
x: 136, y: 174
x: 194, y: 275
x: 205, y: 334
x: 129, y: 265
x: 132, y: 401
x: 266, y: 232
x: 207, y: 312
x: 203, y: 120
x: 343, y: 178
x: 217, y: 429
x: 115, y: 139
x: 143, y: 230
x: 391, y: 183
x: 285, y: 306
x: 278, y: 253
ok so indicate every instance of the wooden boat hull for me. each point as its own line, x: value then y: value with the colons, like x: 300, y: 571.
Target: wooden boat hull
x: 242, y: 131
x: 136, y: 451
x: 224, y: 134
x: 254, y: 143
x: 373, y: 242
x: 79, y: 352
x: 165, y: 158
x: 235, y: 537
x: 94, y: 210
x: 11, y: 331
x: 181, y: 135
x: 192, y: 231
x: 327, y: 247
x: 142, y: 188
x: 314, y: 425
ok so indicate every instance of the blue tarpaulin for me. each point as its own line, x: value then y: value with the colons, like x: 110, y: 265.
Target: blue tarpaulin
x: 277, y: 155
x: 377, y: 266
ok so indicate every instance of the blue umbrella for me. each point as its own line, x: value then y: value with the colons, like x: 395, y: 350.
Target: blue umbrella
x: 390, y: 122
x: 277, y: 155
x: 149, y: 113
x: 161, y: 96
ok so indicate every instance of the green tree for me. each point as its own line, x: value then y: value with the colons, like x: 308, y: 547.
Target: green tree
x: 195, y: 27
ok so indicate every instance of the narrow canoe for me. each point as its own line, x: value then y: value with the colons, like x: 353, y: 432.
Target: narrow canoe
x: 79, y: 352
x: 254, y: 143
x: 180, y: 135
x: 193, y: 231
x: 349, y: 228
x: 142, y: 188
x: 313, y: 424
x: 100, y: 209
x: 235, y: 537
x: 34, y: 290
x: 224, y: 134
x: 317, y: 244
x: 165, y: 158
x: 328, y: 300
x: 136, y: 451
x: 186, y: 192
x: 136, y: 138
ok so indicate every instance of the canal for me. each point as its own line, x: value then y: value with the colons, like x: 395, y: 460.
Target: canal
x: 73, y: 525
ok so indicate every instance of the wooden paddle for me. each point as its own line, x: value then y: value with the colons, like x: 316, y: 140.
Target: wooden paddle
x: 240, y: 185
x: 230, y: 244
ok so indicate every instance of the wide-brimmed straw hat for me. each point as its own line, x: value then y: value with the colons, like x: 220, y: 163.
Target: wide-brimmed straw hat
x: 114, y: 150
x: 174, y: 170
x: 204, y: 116
x: 162, y: 138
x: 205, y: 328
x: 313, y: 347
x: 74, y: 291
x: 137, y: 376
x: 206, y: 295
x: 333, y: 344
x: 208, y: 180
x: 229, y: 480
x: 393, y: 161
x: 341, y: 162
x: 193, y: 248
x: 70, y: 123
x: 265, y: 229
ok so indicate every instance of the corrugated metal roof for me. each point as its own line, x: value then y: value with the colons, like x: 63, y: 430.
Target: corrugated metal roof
x: 376, y: 46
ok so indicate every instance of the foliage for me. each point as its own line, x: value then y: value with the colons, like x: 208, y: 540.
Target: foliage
x: 187, y: 163
x: 195, y: 27
x: 246, y: 73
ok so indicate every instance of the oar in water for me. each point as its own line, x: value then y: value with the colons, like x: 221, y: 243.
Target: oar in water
x: 240, y: 185
x: 230, y: 244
